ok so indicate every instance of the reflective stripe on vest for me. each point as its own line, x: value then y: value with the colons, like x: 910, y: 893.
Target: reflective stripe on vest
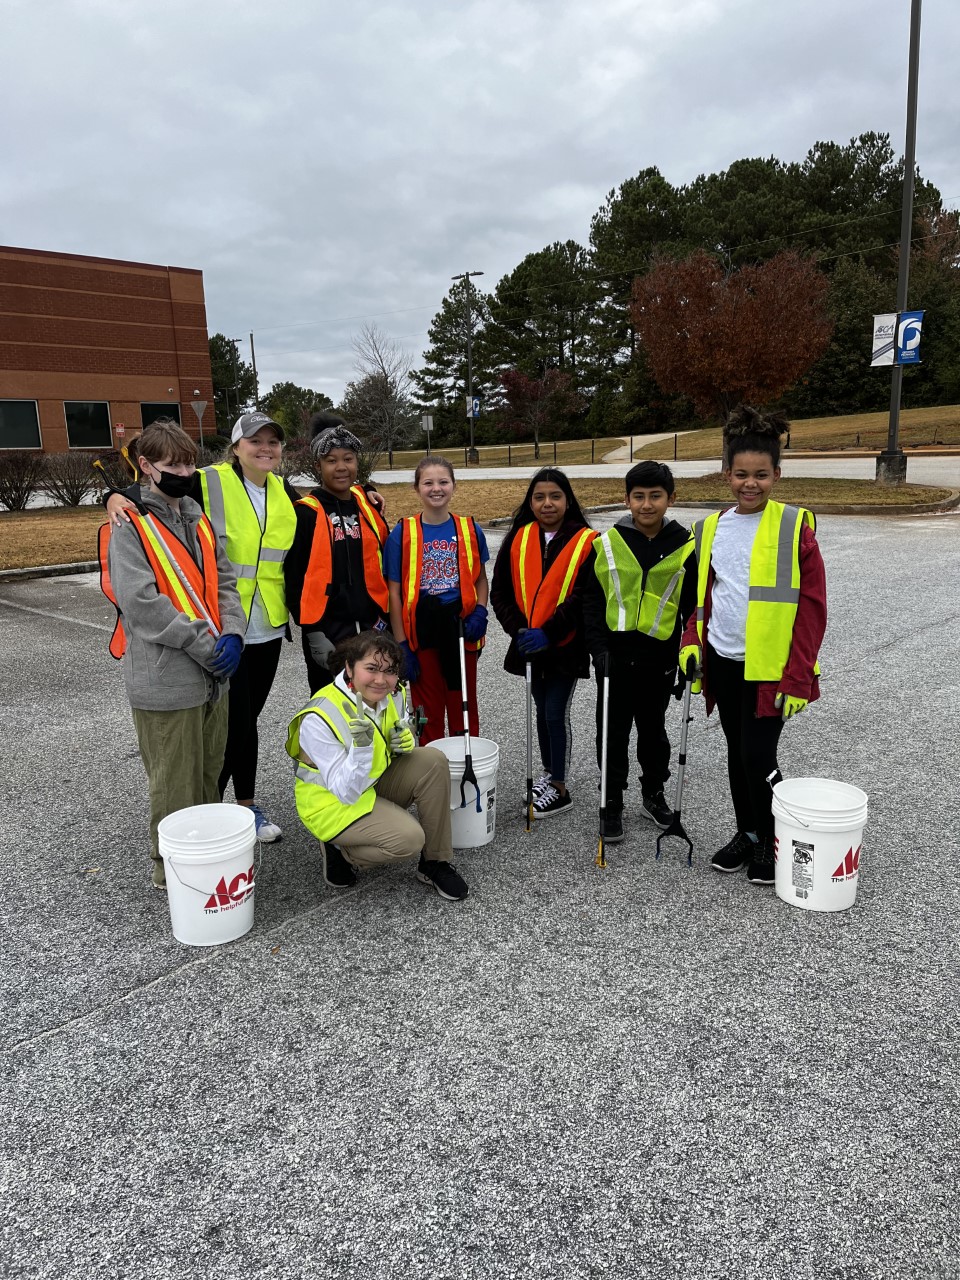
x: 319, y: 575
x: 540, y: 594
x: 257, y: 555
x: 638, y: 601
x: 774, y: 586
x: 469, y: 566
x: 319, y: 809
x: 164, y: 551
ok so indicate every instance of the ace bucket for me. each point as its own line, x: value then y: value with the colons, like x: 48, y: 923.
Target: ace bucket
x: 207, y: 853
x: 470, y: 829
x: 819, y: 828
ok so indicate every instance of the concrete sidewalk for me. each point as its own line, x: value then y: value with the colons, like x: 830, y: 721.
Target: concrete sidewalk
x: 652, y: 1071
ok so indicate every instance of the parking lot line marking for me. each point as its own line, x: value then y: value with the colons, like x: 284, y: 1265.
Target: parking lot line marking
x: 60, y: 617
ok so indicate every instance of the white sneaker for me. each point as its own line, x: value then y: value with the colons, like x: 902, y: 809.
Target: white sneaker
x: 267, y: 831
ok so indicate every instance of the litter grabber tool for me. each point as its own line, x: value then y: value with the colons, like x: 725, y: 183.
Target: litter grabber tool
x: 601, y: 858
x: 529, y: 746
x: 469, y: 776
x: 416, y: 716
x: 676, y: 827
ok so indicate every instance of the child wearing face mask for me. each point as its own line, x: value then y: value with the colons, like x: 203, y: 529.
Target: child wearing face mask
x: 179, y: 630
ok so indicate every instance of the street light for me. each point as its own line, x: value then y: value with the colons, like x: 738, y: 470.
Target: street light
x: 892, y: 462
x: 472, y: 454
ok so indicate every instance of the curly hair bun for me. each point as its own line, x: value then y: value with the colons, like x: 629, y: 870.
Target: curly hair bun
x: 744, y: 420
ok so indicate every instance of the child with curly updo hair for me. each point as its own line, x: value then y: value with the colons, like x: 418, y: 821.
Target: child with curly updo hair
x: 760, y: 620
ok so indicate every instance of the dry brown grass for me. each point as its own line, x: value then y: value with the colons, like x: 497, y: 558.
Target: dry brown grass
x: 561, y: 453
x: 919, y: 428
x: 69, y: 535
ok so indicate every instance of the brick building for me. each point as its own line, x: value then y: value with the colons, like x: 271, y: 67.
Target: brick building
x: 92, y: 350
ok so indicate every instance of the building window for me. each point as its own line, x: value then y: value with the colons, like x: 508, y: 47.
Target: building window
x: 151, y: 412
x: 88, y: 424
x: 19, y: 424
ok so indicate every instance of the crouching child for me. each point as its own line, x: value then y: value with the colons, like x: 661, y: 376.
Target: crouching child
x: 358, y: 768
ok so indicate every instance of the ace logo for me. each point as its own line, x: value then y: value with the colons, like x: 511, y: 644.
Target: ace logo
x: 227, y: 896
x: 849, y: 866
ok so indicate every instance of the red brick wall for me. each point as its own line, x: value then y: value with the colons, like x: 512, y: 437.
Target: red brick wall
x: 74, y: 328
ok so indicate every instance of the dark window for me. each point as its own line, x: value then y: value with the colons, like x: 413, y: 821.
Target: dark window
x: 19, y: 424
x: 151, y: 412
x: 88, y: 424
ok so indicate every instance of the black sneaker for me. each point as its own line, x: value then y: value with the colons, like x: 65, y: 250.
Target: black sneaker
x: 444, y: 878
x: 734, y: 855
x: 762, y: 868
x: 549, y: 801
x: 655, y: 807
x: 337, y: 871
x: 611, y: 825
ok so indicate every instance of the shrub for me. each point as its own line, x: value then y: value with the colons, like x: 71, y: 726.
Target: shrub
x: 21, y: 472
x: 69, y: 477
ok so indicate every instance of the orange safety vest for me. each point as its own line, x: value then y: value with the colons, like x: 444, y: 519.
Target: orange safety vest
x: 164, y: 550
x: 319, y: 575
x: 539, y: 595
x: 468, y: 564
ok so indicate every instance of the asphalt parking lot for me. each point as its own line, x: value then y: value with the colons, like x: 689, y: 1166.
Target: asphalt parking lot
x: 650, y: 1071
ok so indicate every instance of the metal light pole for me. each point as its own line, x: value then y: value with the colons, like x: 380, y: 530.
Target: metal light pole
x: 892, y: 463
x: 256, y: 385
x: 472, y: 455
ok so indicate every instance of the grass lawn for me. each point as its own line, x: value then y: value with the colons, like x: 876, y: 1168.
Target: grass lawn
x: 518, y: 455
x: 918, y: 428
x: 66, y: 535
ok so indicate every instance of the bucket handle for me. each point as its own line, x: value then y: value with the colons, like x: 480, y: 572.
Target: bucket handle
x: 779, y: 776
x: 257, y: 863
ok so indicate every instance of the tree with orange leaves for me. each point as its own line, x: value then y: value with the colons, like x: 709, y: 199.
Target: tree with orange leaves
x: 729, y: 337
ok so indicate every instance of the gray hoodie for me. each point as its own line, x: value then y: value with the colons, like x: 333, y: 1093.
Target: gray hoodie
x: 167, y: 662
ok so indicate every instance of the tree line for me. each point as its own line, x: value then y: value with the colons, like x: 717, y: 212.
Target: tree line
x: 757, y: 283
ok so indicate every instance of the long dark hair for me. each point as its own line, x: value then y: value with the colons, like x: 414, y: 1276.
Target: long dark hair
x: 550, y: 475
x: 747, y: 430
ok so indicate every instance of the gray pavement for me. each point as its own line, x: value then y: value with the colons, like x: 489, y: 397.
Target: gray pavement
x: 927, y: 469
x: 651, y: 1071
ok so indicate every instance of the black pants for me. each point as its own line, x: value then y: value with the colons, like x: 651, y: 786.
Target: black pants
x: 552, y: 695
x: 317, y: 676
x: 751, y: 743
x: 639, y: 694
x: 250, y: 687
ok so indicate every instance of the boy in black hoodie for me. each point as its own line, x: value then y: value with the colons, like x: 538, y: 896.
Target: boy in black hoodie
x: 641, y: 585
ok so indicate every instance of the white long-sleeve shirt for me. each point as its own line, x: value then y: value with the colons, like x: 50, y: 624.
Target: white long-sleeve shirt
x: 345, y: 773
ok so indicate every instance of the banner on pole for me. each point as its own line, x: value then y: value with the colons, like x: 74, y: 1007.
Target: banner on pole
x: 908, y: 337
x: 896, y: 338
x: 884, y: 335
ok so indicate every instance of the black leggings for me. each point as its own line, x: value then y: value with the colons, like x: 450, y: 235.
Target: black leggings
x: 250, y: 687
x: 751, y: 742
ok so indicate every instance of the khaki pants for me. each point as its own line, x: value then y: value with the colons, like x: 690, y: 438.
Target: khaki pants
x: 182, y: 752
x: 388, y: 833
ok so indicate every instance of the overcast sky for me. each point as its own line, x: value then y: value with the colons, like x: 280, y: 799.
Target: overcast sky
x: 325, y: 163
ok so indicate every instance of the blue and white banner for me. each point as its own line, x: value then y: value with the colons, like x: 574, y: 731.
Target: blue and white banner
x: 896, y: 338
x: 908, y: 337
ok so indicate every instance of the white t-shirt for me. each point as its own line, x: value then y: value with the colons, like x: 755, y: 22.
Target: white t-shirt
x: 730, y: 558
x: 259, y: 629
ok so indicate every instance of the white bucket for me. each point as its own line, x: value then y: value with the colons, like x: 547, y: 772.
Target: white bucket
x: 207, y: 853
x: 819, y: 826
x: 470, y: 829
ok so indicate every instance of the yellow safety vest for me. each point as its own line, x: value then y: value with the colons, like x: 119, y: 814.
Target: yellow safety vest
x: 638, y: 601
x: 319, y: 809
x: 774, y: 585
x: 257, y: 556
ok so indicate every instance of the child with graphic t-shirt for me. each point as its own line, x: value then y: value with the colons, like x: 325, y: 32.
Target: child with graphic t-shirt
x: 434, y: 566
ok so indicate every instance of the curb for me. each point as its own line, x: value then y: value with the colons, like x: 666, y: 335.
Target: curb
x: 50, y: 570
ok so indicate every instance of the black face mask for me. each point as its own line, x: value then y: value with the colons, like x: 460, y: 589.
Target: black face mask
x: 172, y: 485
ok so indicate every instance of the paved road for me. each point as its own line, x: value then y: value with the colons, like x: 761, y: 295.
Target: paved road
x: 920, y: 470
x: 643, y: 1073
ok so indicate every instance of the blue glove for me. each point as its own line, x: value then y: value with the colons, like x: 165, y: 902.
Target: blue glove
x: 411, y: 663
x: 475, y: 624
x: 532, y: 640
x: 226, y: 656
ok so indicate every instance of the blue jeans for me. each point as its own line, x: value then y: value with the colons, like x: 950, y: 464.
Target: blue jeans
x: 552, y: 695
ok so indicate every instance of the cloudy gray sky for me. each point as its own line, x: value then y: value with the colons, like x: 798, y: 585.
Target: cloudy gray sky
x: 325, y: 163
